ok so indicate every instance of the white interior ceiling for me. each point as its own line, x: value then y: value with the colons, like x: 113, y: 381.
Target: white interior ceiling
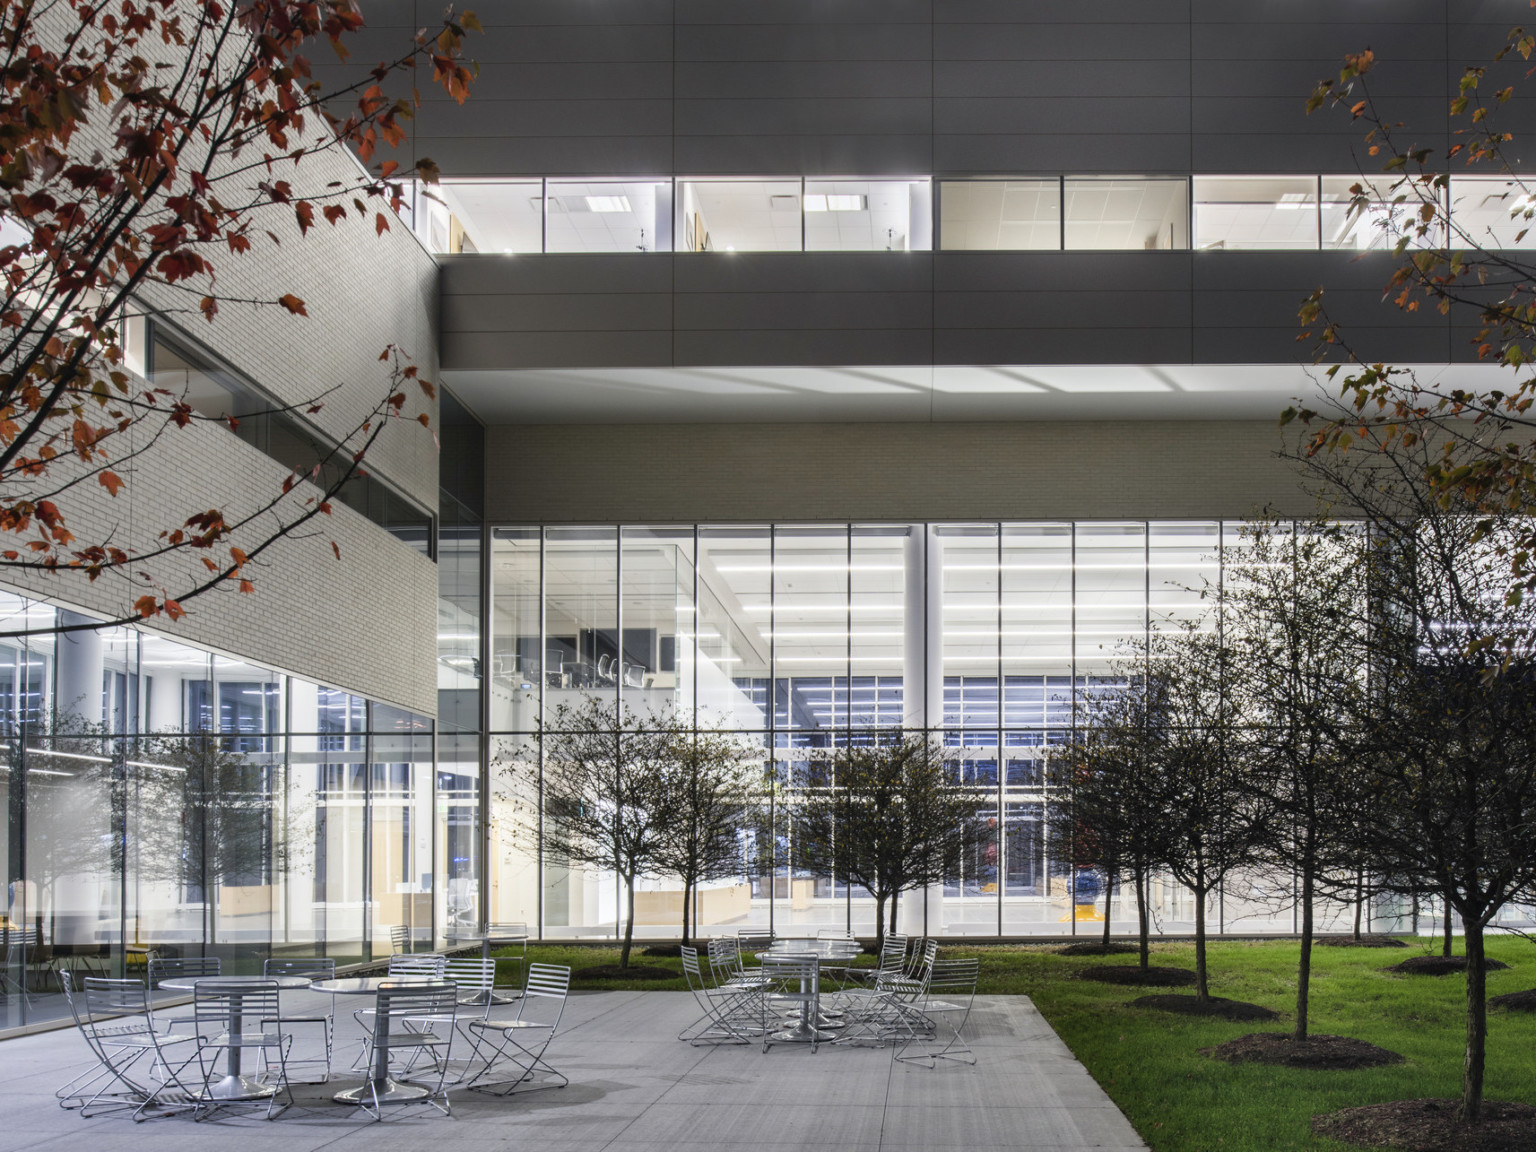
x: 908, y: 393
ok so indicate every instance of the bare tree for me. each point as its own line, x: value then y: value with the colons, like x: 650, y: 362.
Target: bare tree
x: 1109, y: 796
x: 1298, y: 624
x: 604, y: 796
x: 710, y: 787
x: 1448, y: 730
x: 889, y: 816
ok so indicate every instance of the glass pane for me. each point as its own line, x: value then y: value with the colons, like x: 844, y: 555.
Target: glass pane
x: 458, y: 834
x: 738, y: 216
x: 581, y: 642
x: 1109, y: 213
x: 458, y: 624
x: 877, y: 626
x: 609, y: 216
x: 519, y: 674
x: 1000, y: 215
x: 401, y: 810
x: 868, y: 216
x: 329, y: 762
x: 735, y: 616
x: 514, y: 847
x: 1036, y: 623
x: 1492, y: 212
x: 177, y: 686
x: 481, y: 216
x: 656, y: 674
x: 1255, y: 212
x: 969, y: 562
x: 1184, y: 560
x: 1388, y: 211
x: 1111, y: 565
x: 810, y: 631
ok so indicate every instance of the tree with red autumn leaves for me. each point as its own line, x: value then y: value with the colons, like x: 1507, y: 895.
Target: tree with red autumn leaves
x: 146, y: 148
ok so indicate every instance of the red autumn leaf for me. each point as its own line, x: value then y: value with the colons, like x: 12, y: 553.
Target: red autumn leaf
x: 146, y: 606
x: 111, y: 481
x: 291, y: 302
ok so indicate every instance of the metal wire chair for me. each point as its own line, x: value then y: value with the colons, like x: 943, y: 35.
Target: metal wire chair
x: 728, y: 1008
x: 227, y: 1007
x: 402, y: 1003
x: 523, y: 1040
x: 312, y: 968
x: 116, y: 1024
x: 948, y: 997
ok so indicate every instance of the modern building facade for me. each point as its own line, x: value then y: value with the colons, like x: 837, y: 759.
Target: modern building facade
x: 818, y: 368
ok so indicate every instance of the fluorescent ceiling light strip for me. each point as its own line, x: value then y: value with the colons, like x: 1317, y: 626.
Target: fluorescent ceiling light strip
x: 162, y: 767
x: 48, y: 772
x: 70, y: 755
x: 608, y: 203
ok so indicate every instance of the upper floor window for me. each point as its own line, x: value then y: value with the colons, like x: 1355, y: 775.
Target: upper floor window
x: 986, y: 213
x: 1078, y: 212
x: 1269, y: 212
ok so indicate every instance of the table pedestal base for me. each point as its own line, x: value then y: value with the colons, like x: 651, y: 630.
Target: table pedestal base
x: 237, y: 1087
x: 386, y: 1091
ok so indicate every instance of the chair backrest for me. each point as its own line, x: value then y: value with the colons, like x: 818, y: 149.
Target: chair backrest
x: 917, y: 948
x: 509, y: 931
x: 181, y: 967
x: 753, y: 940
x: 544, y: 994
x: 893, y: 954
x: 214, y: 1003
x: 313, y: 967
x: 833, y: 934
x: 787, y: 974
x: 399, y: 1001
x: 954, y: 977
x: 930, y: 956
x: 471, y: 975
x: 417, y: 964
x: 109, y: 997
x: 691, y: 971
x: 400, y: 937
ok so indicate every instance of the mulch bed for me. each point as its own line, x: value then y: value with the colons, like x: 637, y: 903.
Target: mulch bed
x: 1440, y: 966
x: 1215, y: 1006
x: 1515, y: 1001
x: 1316, y: 1051
x: 1097, y: 948
x: 1363, y: 942
x: 665, y: 951
x: 614, y: 972
x: 1430, y: 1126
x: 1134, y: 974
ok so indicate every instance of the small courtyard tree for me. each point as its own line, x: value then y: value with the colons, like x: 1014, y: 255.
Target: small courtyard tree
x: 605, y: 798
x: 710, y: 784
x: 1298, y: 624
x: 1214, y: 822
x: 1448, y: 730
x: 1108, y: 807
x: 888, y: 816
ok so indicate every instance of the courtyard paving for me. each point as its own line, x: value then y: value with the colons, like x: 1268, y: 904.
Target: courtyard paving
x: 635, y: 1088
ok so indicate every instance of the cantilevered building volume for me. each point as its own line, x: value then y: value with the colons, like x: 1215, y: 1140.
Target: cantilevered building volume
x: 821, y: 368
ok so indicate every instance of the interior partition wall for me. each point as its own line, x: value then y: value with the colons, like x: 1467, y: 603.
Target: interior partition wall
x: 800, y: 638
x: 165, y: 800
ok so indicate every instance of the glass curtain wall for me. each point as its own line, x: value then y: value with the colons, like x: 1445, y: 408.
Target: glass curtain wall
x: 164, y: 800
x: 800, y: 639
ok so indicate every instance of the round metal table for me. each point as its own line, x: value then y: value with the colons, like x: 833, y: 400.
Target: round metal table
x: 820, y: 950
x: 234, y: 1085
x: 382, y: 1086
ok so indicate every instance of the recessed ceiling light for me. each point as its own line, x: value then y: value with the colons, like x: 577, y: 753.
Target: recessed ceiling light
x: 834, y: 202
x: 608, y: 203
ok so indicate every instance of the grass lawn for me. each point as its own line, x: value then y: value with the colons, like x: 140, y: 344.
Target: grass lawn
x: 1180, y: 1101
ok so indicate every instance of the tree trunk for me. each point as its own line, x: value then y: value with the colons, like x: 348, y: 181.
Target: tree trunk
x: 1142, y: 900
x: 1359, y: 900
x: 1445, y: 948
x: 1477, y: 1024
x: 687, y: 908
x: 1304, y: 967
x: 1202, y: 988
x: 895, y: 900
x: 1109, y: 898
x: 879, y: 923
x: 629, y: 921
